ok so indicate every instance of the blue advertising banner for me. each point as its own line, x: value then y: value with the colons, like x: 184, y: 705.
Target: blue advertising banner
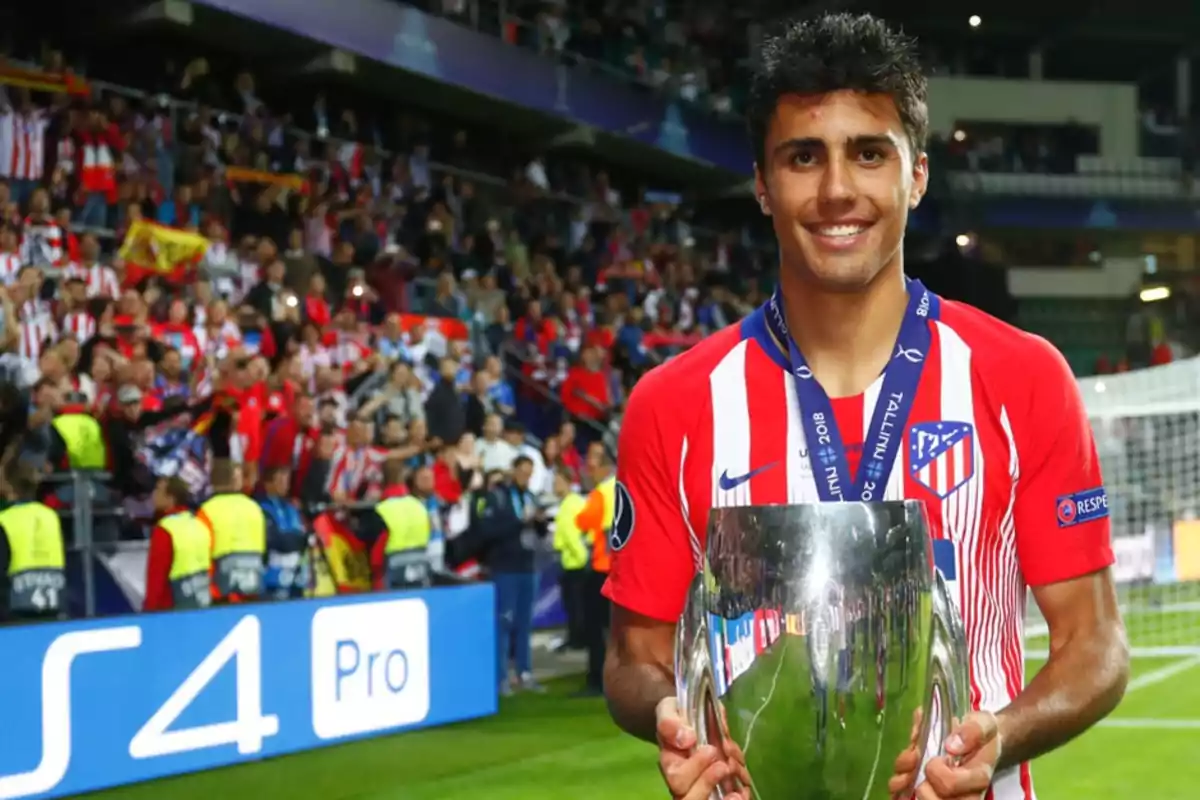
x: 404, y: 37
x: 88, y: 705
x: 548, y: 609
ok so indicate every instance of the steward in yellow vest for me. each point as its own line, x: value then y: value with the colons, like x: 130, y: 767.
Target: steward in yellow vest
x: 574, y: 548
x: 180, y: 557
x: 408, y: 530
x: 33, y: 582
x: 597, y: 520
x: 83, y: 440
x: 239, y: 537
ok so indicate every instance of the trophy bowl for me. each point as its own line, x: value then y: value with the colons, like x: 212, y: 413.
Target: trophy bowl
x: 813, y: 638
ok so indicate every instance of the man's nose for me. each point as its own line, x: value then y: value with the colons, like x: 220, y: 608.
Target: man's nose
x: 837, y: 183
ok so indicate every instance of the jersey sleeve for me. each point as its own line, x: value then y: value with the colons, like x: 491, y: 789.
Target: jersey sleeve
x: 1061, y: 515
x: 652, y: 559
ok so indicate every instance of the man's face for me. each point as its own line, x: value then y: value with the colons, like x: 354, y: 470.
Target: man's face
x: 303, y: 411
x: 359, y: 433
x: 279, y: 483
x: 89, y: 249
x: 423, y: 481
x: 838, y: 180
x: 161, y: 498
x: 171, y: 364
x: 522, y: 473
x: 492, y: 427
x: 39, y: 202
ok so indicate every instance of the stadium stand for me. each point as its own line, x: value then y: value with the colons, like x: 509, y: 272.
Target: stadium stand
x: 330, y: 266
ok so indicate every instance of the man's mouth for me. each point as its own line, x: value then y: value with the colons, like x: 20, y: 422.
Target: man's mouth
x: 840, y: 234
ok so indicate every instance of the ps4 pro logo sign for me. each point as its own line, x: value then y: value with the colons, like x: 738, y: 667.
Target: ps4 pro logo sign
x: 247, y: 730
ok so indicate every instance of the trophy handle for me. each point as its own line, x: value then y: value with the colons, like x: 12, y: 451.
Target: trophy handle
x: 947, y: 663
x: 695, y: 691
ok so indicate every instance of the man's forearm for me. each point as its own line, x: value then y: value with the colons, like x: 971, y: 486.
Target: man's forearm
x: 634, y: 692
x: 1081, y: 683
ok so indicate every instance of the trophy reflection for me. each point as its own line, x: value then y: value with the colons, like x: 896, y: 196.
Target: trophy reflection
x: 811, y: 638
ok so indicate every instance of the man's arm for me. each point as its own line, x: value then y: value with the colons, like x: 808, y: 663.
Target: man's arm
x: 652, y: 558
x: 639, y: 670
x: 1084, y: 678
x: 1063, y: 538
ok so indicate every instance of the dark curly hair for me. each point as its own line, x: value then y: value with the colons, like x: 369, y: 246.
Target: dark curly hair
x: 834, y: 52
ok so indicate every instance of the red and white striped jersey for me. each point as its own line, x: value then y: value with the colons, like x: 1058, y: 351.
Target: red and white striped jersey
x: 996, y: 439
x: 23, y: 145
x: 35, y: 319
x: 101, y: 280
x: 79, y: 325
x: 10, y: 266
x: 355, y: 470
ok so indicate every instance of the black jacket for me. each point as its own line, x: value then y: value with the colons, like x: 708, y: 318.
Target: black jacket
x: 506, y: 541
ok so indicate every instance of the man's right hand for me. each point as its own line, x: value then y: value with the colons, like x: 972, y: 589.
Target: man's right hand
x: 691, y: 773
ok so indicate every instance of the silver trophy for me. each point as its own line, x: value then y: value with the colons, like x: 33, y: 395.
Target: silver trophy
x: 810, y: 641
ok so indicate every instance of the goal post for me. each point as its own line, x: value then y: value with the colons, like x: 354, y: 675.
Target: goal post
x: 1147, y: 429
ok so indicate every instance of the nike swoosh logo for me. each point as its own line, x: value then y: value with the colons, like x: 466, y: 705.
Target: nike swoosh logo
x: 728, y: 484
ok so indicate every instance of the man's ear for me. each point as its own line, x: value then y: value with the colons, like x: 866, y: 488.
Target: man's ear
x: 760, y: 192
x: 920, y: 181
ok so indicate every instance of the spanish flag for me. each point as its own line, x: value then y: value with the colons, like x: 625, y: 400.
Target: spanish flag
x: 39, y: 80
x: 153, y: 249
x: 286, y: 180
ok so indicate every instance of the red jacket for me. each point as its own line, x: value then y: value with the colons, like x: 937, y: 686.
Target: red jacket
x: 582, y: 384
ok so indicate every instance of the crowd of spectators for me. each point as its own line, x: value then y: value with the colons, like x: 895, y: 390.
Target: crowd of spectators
x: 342, y: 321
x: 695, y: 54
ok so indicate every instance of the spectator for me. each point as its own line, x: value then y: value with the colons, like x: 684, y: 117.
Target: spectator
x: 177, y: 570
x: 286, y: 574
x: 508, y: 535
x: 495, y: 453
x: 574, y: 550
x: 443, y: 408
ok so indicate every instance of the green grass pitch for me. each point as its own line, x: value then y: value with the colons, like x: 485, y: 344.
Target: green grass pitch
x: 553, y: 746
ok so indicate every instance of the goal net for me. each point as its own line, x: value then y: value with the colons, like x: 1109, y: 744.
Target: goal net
x: 1147, y: 429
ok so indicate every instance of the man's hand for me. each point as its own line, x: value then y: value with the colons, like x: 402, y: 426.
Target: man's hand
x: 908, y: 764
x: 965, y: 772
x: 693, y: 776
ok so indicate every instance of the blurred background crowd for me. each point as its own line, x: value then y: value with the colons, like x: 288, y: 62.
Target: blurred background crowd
x: 272, y: 268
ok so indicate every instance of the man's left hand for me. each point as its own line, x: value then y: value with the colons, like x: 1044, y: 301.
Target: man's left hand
x: 965, y: 772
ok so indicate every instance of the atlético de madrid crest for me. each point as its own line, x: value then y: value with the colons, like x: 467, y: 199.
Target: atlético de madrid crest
x: 941, y: 455
x: 622, y: 524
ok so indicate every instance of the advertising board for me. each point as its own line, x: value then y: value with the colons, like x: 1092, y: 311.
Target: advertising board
x: 101, y: 703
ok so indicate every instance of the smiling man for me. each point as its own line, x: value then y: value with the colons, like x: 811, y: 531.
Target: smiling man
x: 854, y: 383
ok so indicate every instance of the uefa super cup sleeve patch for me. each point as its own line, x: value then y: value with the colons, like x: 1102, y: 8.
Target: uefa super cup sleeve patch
x: 622, y: 524
x: 1080, y: 507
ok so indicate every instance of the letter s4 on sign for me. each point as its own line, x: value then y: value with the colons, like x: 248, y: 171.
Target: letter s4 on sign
x: 1079, y: 507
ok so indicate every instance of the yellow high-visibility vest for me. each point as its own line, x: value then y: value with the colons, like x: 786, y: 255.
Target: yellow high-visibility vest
x: 406, y: 555
x: 84, y: 440
x: 239, y: 544
x: 571, y: 543
x: 191, y: 547
x: 37, y: 579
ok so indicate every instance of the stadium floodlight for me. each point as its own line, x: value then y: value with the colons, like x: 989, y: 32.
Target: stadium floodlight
x: 1152, y: 294
x: 974, y: 20
x: 1147, y: 429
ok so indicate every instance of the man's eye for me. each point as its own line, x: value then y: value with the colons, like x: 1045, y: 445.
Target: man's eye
x: 803, y: 158
x: 871, y: 156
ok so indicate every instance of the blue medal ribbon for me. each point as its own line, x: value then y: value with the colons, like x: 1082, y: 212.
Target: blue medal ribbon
x: 831, y: 468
